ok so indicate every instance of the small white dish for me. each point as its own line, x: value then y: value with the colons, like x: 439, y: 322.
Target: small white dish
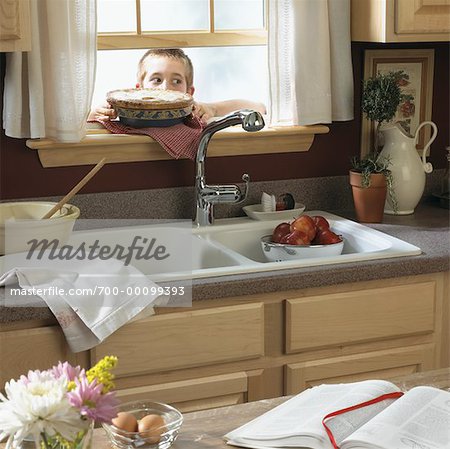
x: 255, y: 212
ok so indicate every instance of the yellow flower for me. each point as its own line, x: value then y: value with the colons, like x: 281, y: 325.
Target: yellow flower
x: 102, y: 372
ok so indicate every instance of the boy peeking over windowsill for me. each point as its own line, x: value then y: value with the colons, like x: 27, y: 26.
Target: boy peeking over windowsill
x: 171, y: 69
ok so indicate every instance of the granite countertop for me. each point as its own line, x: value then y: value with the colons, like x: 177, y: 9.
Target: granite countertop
x: 427, y: 228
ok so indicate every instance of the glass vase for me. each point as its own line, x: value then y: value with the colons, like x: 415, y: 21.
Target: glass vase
x: 83, y: 441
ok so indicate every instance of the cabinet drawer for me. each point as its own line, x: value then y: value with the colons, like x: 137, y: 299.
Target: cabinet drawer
x: 187, y: 339
x: 384, y: 364
x: 193, y: 394
x: 30, y: 349
x: 359, y: 316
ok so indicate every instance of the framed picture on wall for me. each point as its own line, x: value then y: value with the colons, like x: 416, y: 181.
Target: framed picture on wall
x: 415, y: 69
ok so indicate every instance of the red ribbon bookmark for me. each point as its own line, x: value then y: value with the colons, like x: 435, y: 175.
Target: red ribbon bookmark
x: 395, y: 395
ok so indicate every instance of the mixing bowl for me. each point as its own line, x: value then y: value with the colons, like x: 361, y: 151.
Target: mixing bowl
x: 21, y: 222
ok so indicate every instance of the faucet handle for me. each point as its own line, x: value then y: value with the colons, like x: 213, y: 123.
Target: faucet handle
x: 246, y: 179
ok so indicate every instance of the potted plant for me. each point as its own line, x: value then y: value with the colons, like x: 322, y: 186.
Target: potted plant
x: 370, y: 176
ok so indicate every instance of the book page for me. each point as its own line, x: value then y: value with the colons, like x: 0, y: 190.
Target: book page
x: 418, y: 420
x: 298, y: 422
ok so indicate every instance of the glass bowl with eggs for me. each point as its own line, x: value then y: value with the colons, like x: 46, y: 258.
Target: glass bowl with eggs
x: 144, y: 425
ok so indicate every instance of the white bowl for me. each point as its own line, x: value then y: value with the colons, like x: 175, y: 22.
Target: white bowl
x: 255, y: 211
x: 21, y: 222
x: 277, y: 252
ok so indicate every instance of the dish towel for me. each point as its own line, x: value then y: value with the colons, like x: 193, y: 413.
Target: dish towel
x: 97, y: 305
x: 179, y: 140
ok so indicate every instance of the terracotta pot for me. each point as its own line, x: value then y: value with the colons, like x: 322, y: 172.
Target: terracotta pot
x: 368, y: 201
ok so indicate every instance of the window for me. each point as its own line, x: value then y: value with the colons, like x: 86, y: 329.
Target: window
x: 226, y: 40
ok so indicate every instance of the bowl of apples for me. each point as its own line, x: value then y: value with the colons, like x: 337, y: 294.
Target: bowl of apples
x: 304, y: 238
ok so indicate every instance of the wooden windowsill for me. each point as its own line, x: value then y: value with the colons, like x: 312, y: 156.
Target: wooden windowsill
x: 118, y: 148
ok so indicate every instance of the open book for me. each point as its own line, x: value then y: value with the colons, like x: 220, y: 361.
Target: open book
x: 420, y: 419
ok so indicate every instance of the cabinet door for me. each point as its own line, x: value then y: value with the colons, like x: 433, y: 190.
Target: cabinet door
x: 422, y: 16
x: 400, y: 20
x: 384, y: 364
x: 15, y: 25
x: 198, y: 394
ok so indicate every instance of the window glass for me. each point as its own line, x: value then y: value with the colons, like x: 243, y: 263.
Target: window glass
x: 169, y: 15
x: 223, y: 73
x: 238, y: 14
x: 116, y: 15
x: 220, y: 73
x: 116, y: 69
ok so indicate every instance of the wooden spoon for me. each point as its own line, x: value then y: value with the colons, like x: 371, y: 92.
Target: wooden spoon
x: 75, y: 190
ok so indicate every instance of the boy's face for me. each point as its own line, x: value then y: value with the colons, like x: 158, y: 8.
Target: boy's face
x: 166, y: 73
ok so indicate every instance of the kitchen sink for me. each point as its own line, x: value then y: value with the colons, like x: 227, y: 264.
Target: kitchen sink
x: 360, y: 242
x: 232, y: 246
x: 167, y: 251
x: 187, y: 253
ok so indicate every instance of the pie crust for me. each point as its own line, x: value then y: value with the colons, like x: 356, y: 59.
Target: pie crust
x: 149, y: 99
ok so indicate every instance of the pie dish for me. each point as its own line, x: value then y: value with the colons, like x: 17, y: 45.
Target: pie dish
x: 150, y: 107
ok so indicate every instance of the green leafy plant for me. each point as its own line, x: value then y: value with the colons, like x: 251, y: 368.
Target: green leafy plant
x: 381, y: 97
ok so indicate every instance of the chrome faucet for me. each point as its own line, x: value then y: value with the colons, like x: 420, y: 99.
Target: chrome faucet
x: 207, y: 195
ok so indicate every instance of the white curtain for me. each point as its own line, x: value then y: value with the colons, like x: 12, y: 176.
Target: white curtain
x: 310, y: 66
x: 48, y: 91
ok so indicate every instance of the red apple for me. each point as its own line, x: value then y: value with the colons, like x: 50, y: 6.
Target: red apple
x: 320, y: 222
x: 296, y: 238
x: 280, y: 231
x: 305, y: 224
x: 326, y: 237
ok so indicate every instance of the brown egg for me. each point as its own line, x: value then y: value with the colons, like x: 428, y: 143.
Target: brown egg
x: 151, y: 427
x: 125, y: 421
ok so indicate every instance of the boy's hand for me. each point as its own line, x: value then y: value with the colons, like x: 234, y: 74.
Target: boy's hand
x: 203, y: 112
x: 103, y: 112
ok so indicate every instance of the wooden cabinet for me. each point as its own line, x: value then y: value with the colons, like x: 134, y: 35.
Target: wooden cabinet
x: 382, y: 331
x: 400, y: 20
x: 15, y: 25
x: 358, y: 316
x: 383, y: 364
x: 233, y: 350
x: 33, y: 348
x: 187, y: 339
x: 199, y: 393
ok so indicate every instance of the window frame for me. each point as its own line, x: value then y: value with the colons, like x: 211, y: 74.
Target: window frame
x: 185, y: 39
x: 130, y: 41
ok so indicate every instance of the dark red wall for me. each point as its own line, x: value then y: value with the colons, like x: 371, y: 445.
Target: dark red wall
x: 22, y: 176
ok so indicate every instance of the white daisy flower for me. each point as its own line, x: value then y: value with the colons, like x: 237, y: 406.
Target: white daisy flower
x: 37, y: 404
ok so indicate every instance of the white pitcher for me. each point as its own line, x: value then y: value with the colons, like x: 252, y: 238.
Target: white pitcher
x: 408, y: 169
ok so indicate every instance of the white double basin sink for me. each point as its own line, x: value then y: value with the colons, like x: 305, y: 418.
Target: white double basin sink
x: 232, y: 246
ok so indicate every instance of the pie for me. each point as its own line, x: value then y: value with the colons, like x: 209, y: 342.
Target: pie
x: 149, y: 99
